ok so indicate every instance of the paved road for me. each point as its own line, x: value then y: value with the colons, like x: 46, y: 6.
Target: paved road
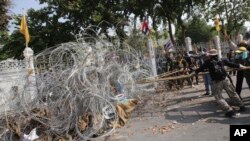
x: 188, y: 116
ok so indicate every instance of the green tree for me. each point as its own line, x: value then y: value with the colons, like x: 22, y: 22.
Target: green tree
x: 172, y: 12
x: 45, y: 31
x: 197, y: 30
x: 57, y: 23
x: 4, y: 4
x: 61, y: 20
x: 232, y: 13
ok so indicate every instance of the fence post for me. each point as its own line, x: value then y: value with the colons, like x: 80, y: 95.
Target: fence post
x: 31, y: 88
x: 152, y: 56
x: 239, y: 38
x: 218, y: 46
x: 188, y: 43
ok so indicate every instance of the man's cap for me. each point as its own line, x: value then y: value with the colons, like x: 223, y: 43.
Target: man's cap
x: 240, y: 50
x: 242, y: 43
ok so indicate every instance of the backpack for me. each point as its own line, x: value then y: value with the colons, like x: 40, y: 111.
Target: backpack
x: 217, y: 70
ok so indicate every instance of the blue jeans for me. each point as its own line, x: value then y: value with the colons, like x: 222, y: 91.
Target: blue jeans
x: 207, y: 82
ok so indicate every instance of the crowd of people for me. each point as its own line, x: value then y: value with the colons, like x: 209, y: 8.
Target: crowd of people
x: 218, y: 78
x: 183, y: 64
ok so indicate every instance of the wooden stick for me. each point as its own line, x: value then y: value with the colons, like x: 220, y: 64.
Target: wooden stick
x: 180, y: 77
x: 161, y: 75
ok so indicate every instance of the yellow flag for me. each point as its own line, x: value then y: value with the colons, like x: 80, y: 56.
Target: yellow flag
x: 217, y: 24
x: 24, y: 30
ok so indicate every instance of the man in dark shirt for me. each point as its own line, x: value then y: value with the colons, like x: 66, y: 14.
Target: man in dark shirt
x: 220, y: 81
x: 206, y: 77
x: 242, y: 58
x: 240, y: 73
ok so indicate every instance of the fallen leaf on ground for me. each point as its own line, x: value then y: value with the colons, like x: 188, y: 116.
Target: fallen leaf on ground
x: 154, y: 130
x: 174, y: 122
x: 171, y: 126
x: 164, y: 130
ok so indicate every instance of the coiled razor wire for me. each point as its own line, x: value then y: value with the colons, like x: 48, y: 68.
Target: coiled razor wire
x: 76, y: 84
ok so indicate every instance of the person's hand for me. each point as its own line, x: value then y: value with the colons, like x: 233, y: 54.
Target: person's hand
x: 242, y: 67
x: 193, y: 73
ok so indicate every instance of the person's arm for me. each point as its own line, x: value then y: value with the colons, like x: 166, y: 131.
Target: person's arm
x: 230, y: 64
x: 196, y: 56
x: 232, y: 45
x: 202, y: 67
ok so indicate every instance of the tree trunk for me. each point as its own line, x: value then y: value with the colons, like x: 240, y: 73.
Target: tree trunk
x: 183, y: 28
x: 134, y: 29
x: 225, y: 5
x: 222, y: 26
x: 154, y: 23
x: 183, y: 33
x: 170, y: 30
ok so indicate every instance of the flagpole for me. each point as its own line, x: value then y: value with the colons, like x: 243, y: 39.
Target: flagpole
x: 26, y: 44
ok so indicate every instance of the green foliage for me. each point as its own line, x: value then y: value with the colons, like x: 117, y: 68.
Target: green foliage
x: 137, y: 41
x: 233, y: 13
x: 4, y: 37
x: 60, y: 20
x: 4, y: 4
x: 198, y: 31
x: 4, y: 17
x: 45, y: 31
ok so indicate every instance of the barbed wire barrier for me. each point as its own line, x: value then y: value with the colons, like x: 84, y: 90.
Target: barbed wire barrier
x: 86, y: 89
x: 81, y: 92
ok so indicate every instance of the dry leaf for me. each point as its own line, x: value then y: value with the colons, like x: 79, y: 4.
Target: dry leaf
x: 164, y: 129
x: 172, y: 126
x: 174, y: 122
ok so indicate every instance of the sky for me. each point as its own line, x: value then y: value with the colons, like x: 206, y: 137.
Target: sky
x: 20, y: 6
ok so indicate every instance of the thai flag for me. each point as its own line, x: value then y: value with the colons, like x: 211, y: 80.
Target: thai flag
x: 144, y: 27
x: 168, y: 45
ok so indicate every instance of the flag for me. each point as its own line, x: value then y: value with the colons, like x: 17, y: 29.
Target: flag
x: 168, y: 45
x: 144, y: 27
x: 24, y: 30
x: 217, y: 24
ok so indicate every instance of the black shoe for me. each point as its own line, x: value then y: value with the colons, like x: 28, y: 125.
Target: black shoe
x: 206, y: 94
x: 242, y: 109
x: 230, y: 114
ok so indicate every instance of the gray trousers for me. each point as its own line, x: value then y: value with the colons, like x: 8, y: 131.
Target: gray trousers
x: 218, y: 86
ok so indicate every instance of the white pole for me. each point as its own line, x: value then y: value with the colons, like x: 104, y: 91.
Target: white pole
x: 218, y: 46
x: 31, y: 89
x: 151, y: 56
x: 239, y: 38
x: 188, y: 43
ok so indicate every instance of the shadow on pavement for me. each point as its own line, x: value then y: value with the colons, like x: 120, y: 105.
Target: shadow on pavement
x: 193, y: 113
x: 207, y: 110
x: 178, y: 100
x: 194, y: 91
x: 242, y: 119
